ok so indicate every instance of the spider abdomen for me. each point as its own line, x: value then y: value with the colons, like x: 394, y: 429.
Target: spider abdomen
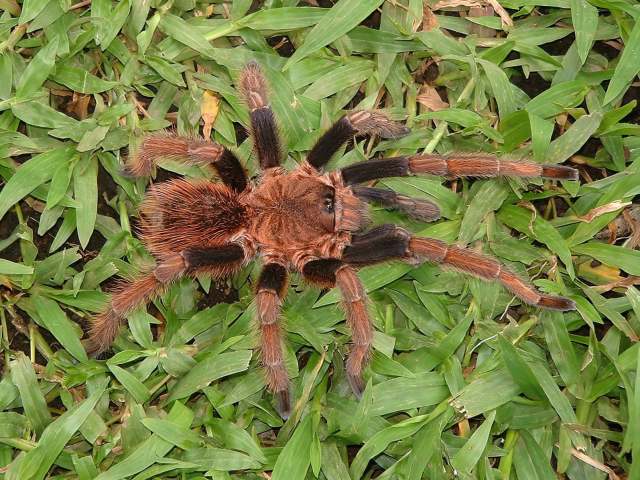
x: 180, y: 214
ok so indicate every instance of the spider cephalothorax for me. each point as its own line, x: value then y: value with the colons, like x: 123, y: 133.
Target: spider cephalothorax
x: 306, y: 220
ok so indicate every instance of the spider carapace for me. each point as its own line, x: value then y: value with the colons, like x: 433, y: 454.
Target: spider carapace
x: 304, y: 220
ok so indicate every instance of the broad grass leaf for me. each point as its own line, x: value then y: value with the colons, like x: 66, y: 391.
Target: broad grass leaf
x: 373, y: 278
x: 501, y: 86
x: 339, y: 20
x: 339, y: 79
x: 529, y: 459
x: 557, y: 99
x: 488, y: 198
x: 221, y: 460
x: 237, y: 438
x: 80, y: 80
x: 85, y: 188
x: 41, y: 115
x: 539, y: 229
x: 585, y: 23
x: 283, y: 19
x: 166, y: 70
x: 35, y: 407
x: 561, y: 348
x: 7, y: 267
x: 150, y: 450
x: 208, y: 370
x: 169, y: 431
x: 406, y: 393
x: 520, y: 371
x: 294, y: 459
x: 56, y: 321
x: 333, y: 466
x: 487, y: 392
x: 37, y: 70
x: 36, y: 463
x: 468, y: 456
x: 180, y: 30
x: 31, y: 9
x: 31, y: 174
x: 135, y: 387
x: 612, y: 255
x: 574, y: 138
x: 627, y: 67
x: 381, y: 440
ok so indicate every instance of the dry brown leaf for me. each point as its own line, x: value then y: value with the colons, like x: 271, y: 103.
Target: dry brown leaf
x: 457, y: 3
x: 430, y: 98
x: 594, y: 463
x: 504, y: 15
x: 209, y: 111
x: 429, y: 20
x: 601, y: 210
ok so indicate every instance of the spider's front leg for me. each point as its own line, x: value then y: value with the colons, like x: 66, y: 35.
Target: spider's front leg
x: 263, y: 123
x: 128, y: 296
x: 270, y: 291
x: 191, y: 151
x: 357, y: 122
x: 331, y: 272
x: 389, y: 242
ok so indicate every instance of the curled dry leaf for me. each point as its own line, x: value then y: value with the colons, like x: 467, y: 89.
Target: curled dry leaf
x: 430, y: 98
x: 429, y: 20
x: 209, y: 111
x: 601, y: 210
x: 504, y: 15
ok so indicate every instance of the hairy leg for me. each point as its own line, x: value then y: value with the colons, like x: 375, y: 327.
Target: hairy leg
x: 263, y: 123
x: 414, y: 207
x: 358, y: 122
x: 354, y: 299
x: 192, y: 151
x: 129, y: 295
x: 462, y: 165
x: 271, y: 289
x: 330, y: 272
x: 400, y: 244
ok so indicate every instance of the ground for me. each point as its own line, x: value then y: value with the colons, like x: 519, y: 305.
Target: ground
x: 464, y: 380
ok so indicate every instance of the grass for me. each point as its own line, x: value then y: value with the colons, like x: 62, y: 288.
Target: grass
x: 463, y: 381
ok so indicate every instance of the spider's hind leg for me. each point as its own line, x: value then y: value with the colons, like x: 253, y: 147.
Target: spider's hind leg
x: 399, y: 244
x: 329, y: 272
x: 271, y: 288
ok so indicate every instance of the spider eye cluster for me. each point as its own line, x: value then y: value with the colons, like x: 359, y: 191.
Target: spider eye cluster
x: 328, y: 204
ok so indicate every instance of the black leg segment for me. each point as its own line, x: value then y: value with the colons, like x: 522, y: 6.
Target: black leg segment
x: 375, y: 169
x: 231, y: 172
x: 224, y: 255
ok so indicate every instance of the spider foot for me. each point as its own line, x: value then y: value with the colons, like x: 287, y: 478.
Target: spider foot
x: 357, y: 384
x: 283, y: 403
x: 556, y: 303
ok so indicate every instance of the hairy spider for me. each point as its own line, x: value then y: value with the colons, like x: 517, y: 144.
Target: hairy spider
x: 304, y: 220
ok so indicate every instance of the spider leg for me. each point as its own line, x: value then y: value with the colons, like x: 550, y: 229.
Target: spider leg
x: 192, y: 151
x: 464, y: 165
x: 329, y: 272
x: 271, y: 289
x: 400, y: 244
x: 263, y: 123
x: 358, y: 122
x: 414, y: 207
x: 129, y: 295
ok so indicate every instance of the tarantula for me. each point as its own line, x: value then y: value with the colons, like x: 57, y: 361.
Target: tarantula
x: 305, y: 220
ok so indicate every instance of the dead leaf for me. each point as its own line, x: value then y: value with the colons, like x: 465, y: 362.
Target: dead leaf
x: 429, y: 20
x: 601, y: 210
x: 504, y: 15
x: 430, y: 98
x: 209, y: 111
